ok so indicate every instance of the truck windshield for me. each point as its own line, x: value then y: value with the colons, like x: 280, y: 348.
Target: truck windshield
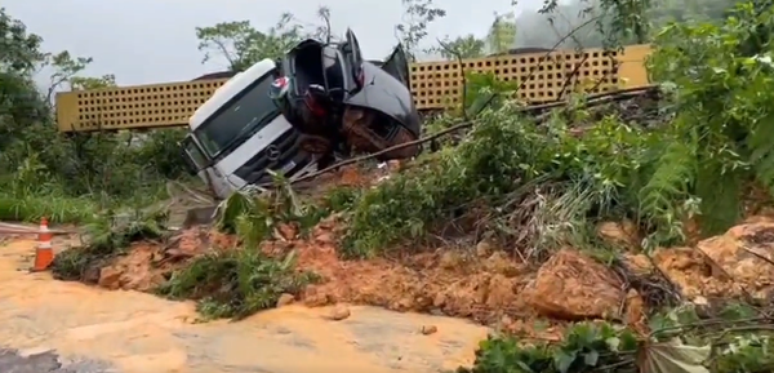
x: 243, y: 115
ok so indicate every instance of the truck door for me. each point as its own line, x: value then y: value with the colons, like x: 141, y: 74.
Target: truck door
x: 353, y: 57
x: 198, y: 164
x: 193, y: 156
x: 397, y: 65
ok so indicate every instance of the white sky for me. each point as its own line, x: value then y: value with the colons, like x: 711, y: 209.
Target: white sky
x: 153, y: 41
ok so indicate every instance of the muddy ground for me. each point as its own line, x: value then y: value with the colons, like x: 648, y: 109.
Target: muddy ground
x: 137, y: 332
x: 133, y: 332
x: 484, y: 283
x: 14, y: 361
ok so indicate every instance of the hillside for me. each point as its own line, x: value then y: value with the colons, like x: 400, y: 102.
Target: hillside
x: 626, y: 234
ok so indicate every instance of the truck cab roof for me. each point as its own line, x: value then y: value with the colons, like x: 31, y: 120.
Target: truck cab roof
x: 227, y: 91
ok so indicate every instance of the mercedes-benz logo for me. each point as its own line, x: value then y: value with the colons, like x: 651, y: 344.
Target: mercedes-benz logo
x: 272, y: 152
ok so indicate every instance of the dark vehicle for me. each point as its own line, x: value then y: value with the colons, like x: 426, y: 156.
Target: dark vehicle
x: 341, y: 103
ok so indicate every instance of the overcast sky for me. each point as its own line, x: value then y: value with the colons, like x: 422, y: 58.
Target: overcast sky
x: 153, y: 41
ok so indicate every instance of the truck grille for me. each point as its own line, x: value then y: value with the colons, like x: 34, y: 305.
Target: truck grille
x: 288, y: 153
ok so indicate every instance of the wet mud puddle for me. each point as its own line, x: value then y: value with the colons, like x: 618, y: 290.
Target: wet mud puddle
x: 138, y: 333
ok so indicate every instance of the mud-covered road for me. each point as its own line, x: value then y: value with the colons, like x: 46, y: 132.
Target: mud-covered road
x: 52, y: 326
x: 14, y: 361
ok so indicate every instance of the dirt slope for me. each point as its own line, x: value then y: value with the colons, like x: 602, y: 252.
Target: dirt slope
x: 487, y: 286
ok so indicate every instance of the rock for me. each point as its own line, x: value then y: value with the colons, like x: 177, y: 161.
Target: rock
x: 451, y: 259
x: 144, y: 282
x: 110, y: 278
x: 764, y: 217
x: 500, y: 263
x: 429, y: 329
x: 500, y: 293
x: 287, y: 232
x: 571, y: 286
x: 722, y: 266
x: 635, y: 314
x: 505, y: 323
x: 91, y: 274
x: 483, y: 249
x: 285, y: 299
x: 404, y: 303
x: 744, y: 253
x: 700, y: 301
x: 339, y: 312
x: 439, y: 300
x: 687, y: 268
x: 619, y: 233
x: 324, y: 238
x: 639, y: 264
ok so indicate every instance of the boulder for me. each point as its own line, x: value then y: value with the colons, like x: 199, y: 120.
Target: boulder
x: 572, y: 286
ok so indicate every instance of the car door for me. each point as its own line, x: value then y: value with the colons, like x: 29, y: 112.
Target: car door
x: 397, y: 65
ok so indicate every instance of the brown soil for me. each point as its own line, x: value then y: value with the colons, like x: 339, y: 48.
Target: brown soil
x: 482, y: 283
x: 486, y: 287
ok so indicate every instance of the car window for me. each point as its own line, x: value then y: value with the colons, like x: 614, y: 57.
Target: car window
x: 250, y: 107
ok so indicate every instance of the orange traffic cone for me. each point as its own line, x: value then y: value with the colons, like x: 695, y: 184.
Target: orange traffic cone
x: 44, y: 254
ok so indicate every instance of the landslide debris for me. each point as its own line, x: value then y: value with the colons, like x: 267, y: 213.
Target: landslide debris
x: 484, y: 279
x: 480, y: 282
x: 516, y: 226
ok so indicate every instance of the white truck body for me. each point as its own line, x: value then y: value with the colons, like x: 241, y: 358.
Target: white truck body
x: 239, y: 134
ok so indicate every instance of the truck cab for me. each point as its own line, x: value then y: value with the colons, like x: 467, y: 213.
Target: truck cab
x: 239, y: 134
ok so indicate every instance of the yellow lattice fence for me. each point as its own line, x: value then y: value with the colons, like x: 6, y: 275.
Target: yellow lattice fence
x: 542, y: 76
x: 135, y: 107
x: 435, y: 85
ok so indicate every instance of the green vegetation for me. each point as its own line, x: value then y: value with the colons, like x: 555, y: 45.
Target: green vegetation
x: 537, y: 182
x: 237, y: 283
x: 108, y: 237
x: 67, y: 178
x: 735, y: 339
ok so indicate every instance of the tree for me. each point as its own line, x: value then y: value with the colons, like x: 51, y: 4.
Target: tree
x: 36, y: 158
x: 502, y: 33
x: 19, y: 50
x: 20, y: 56
x: 79, y: 83
x: 324, y: 31
x: 468, y: 46
x: 65, y: 69
x: 545, y: 27
x: 242, y: 45
x: 418, y: 15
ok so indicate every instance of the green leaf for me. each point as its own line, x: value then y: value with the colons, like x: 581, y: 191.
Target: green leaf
x: 673, y: 357
x: 591, y: 358
x: 563, y: 360
x: 524, y: 367
x: 613, y: 343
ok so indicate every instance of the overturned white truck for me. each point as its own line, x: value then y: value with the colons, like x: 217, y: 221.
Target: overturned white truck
x: 319, y: 103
